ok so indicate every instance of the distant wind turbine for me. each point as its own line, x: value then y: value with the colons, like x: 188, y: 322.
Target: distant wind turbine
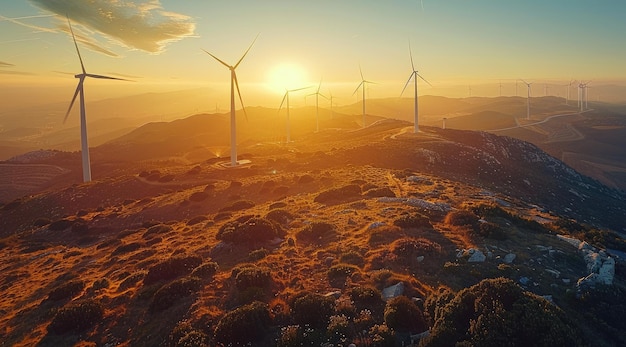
x: 469, y: 87
x: 234, y: 83
x: 568, y: 91
x: 500, y: 88
x: 286, y: 97
x: 332, y: 111
x: 414, y: 75
x: 362, y: 85
x: 83, y: 117
x: 317, y: 105
x: 527, y: 99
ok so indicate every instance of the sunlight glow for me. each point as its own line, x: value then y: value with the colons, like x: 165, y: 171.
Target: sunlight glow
x: 286, y: 76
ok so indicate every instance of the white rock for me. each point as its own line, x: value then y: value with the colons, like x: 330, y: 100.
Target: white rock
x: 420, y: 259
x: 554, y: 273
x: 566, y: 280
x: 572, y: 241
x: 508, y: 259
x: 606, y: 273
x: 376, y: 225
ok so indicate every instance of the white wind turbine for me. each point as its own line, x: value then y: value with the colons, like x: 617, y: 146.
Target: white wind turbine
x: 317, y: 105
x: 362, y: 85
x: 84, y: 145
x: 331, y: 98
x: 414, y: 75
x: 286, y: 97
x: 571, y: 82
x: 234, y: 83
x: 527, y: 99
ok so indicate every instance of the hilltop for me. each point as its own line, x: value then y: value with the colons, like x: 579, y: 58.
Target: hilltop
x: 178, y: 249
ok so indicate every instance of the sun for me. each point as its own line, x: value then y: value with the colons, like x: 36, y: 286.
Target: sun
x: 286, y: 76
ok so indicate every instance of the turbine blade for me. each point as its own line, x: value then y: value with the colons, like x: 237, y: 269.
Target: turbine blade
x: 411, y: 55
x: 105, y: 77
x: 357, y: 88
x: 247, y: 50
x: 423, y: 79
x: 295, y: 90
x: 282, y: 102
x: 361, y: 72
x: 82, y: 66
x: 78, y: 89
x: 319, y: 86
x: 239, y: 93
x: 407, y: 82
x: 218, y: 59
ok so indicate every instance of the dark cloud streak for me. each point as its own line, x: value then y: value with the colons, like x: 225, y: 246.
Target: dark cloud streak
x: 142, y: 25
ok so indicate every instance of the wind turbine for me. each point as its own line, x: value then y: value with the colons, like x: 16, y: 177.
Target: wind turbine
x: 500, y: 87
x: 332, y: 111
x: 414, y: 75
x: 363, y: 85
x: 568, y: 89
x: 234, y: 83
x: 84, y: 145
x: 317, y: 106
x: 527, y: 99
x: 286, y: 97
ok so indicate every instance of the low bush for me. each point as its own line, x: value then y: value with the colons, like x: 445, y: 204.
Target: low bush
x: 402, y: 315
x: 172, y: 268
x: 60, y: 225
x: 205, y: 271
x: 406, y: 250
x: 172, y: 292
x: 258, y: 254
x: 67, y: 290
x: 304, y: 179
x: 339, y: 272
x: 76, y: 317
x: 243, y: 325
x: 40, y: 222
x: 126, y: 248
x: 462, y: 218
x: 317, y: 232
x: 413, y: 220
x: 249, y: 275
x: 248, y: 231
x: 280, y: 216
x: 196, y: 220
x: 239, y: 205
x: 312, y: 309
x: 337, y: 195
x: 157, y: 230
x: 492, y: 231
x: 198, y: 196
x: 352, y: 257
x: 380, y: 193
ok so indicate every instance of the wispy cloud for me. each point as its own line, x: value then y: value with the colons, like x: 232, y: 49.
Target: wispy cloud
x: 3, y: 64
x: 139, y: 24
x: 11, y: 72
x: 18, y: 21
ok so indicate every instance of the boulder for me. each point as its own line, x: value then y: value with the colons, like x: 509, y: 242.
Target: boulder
x: 606, y: 273
x: 393, y: 291
x: 476, y: 256
x: 508, y: 259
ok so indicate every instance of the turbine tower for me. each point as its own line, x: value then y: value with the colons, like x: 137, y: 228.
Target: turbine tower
x: 527, y: 98
x: 414, y: 75
x: 363, y: 85
x: 317, y: 106
x: 84, y: 145
x: 286, y: 97
x: 568, y: 91
x: 234, y: 83
x: 331, y: 98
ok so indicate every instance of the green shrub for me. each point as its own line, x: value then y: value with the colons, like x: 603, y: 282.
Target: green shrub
x: 337, y: 195
x: 402, y: 315
x: 76, y: 317
x: 40, y: 222
x: 248, y: 231
x: 205, y: 271
x: 492, y: 231
x: 498, y: 312
x: 280, y: 216
x: 352, y: 257
x: 198, y: 196
x: 406, y: 250
x: 258, y: 254
x: 196, y: 220
x: 413, y: 220
x: 126, y: 248
x: 317, y: 232
x: 67, y: 290
x: 157, y: 230
x: 249, y: 275
x: 312, y: 309
x: 297, y: 336
x: 172, y: 292
x: 341, y: 271
x: 243, y: 325
x: 238, y: 206
x: 172, y: 268
x: 60, y: 225
x: 462, y: 218
x: 380, y: 193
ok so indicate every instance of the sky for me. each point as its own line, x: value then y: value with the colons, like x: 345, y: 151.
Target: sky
x: 455, y: 44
